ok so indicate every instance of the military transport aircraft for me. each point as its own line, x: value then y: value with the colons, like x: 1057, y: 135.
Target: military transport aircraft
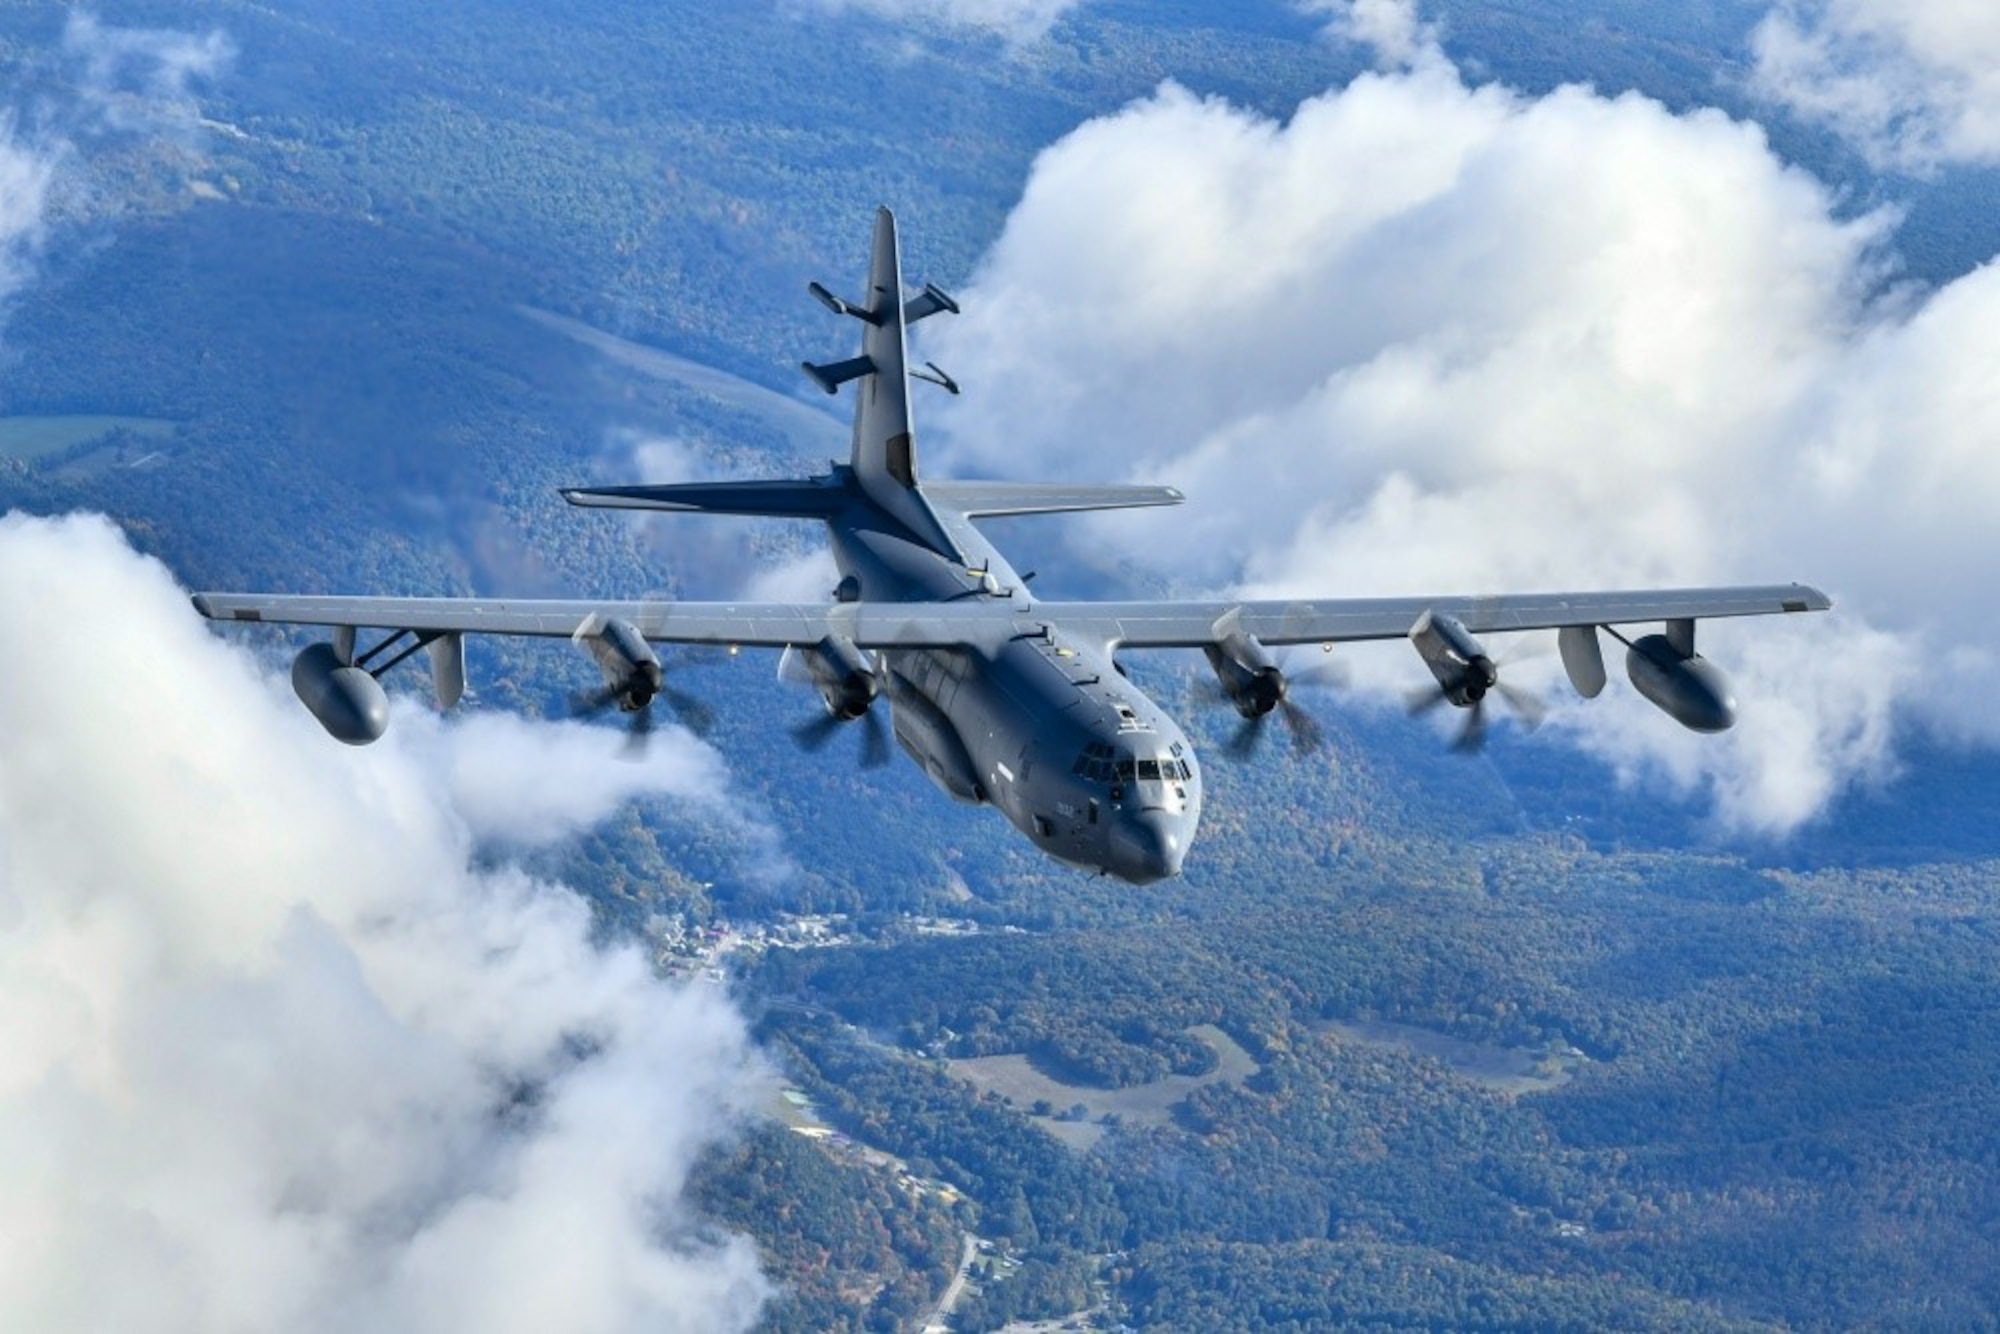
x: 999, y: 697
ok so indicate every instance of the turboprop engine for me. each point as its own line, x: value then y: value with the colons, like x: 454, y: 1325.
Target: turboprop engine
x: 632, y: 671
x: 347, y: 700
x: 1257, y: 685
x: 1463, y: 670
x: 1249, y: 676
x: 843, y: 675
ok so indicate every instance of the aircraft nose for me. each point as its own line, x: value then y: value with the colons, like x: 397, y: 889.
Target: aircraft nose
x: 1147, y: 846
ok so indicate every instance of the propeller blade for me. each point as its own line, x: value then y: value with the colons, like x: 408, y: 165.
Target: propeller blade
x: 813, y: 734
x: 1423, y: 699
x: 638, y: 735
x: 1472, y: 739
x: 1304, y: 728
x: 590, y: 703
x: 1314, y: 671
x: 1525, y: 703
x: 874, y: 740
x: 691, y: 713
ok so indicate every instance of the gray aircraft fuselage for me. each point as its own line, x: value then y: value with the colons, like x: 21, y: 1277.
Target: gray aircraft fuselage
x: 1046, y: 730
x: 999, y: 698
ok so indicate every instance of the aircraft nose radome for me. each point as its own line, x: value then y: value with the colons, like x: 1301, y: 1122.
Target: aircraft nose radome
x: 1148, y: 846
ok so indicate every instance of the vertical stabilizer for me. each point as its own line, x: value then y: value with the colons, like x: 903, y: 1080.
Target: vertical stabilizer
x: 883, y: 448
x: 885, y: 452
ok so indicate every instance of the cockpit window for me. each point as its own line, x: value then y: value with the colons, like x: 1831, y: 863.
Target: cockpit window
x: 1098, y: 765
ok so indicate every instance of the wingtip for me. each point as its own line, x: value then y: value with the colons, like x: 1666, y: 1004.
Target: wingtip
x: 201, y: 604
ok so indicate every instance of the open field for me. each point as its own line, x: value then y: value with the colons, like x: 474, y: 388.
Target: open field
x: 1014, y: 1079
x: 32, y: 437
x: 1507, y: 1069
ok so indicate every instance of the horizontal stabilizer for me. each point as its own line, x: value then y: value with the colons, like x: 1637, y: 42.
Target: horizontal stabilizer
x: 937, y: 377
x: 807, y: 499
x: 928, y: 302
x: 841, y: 307
x: 837, y: 373
x: 990, y: 499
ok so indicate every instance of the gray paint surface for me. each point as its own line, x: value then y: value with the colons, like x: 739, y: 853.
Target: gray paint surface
x: 999, y: 697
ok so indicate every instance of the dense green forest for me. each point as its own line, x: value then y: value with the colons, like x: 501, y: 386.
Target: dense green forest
x: 1764, y: 1076
x: 1780, y: 1112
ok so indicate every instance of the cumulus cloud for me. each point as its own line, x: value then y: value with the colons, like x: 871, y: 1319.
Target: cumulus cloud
x: 1914, y: 86
x: 1389, y: 28
x: 141, y: 78
x: 1018, y: 21
x: 275, y: 1055
x: 26, y: 171
x: 1425, y: 337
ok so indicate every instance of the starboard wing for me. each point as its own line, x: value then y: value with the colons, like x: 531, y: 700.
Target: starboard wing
x: 1163, y: 624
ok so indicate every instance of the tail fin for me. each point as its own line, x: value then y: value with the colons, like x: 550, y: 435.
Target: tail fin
x: 884, y: 458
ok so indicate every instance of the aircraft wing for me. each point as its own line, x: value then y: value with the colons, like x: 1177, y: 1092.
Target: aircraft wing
x: 1335, y: 620
x: 986, y: 622
x: 750, y: 624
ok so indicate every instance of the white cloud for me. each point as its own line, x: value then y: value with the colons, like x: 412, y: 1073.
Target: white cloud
x: 1018, y: 21
x: 141, y: 78
x: 26, y: 172
x: 522, y: 783
x: 1389, y: 28
x: 1432, y: 338
x: 1913, y: 85
x: 276, y: 1056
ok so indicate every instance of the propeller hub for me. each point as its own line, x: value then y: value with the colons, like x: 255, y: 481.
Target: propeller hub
x: 1480, y: 676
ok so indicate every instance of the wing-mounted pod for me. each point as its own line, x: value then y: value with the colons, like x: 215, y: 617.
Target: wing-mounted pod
x: 1582, y: 659
x: 343, y: 690
x: 346, y: 699
x: 1680, y: 682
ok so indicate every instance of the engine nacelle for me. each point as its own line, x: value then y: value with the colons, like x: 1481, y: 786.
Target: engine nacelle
x: 928, y: 737
x: 346, y: 700
x: 628, y: 662
x: 1463, y: 670
x: 1685, y: 686
x: 1249, y: 677
x: 843, y: 675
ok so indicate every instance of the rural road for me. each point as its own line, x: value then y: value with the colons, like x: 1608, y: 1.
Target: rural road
x: 956, y: 1289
